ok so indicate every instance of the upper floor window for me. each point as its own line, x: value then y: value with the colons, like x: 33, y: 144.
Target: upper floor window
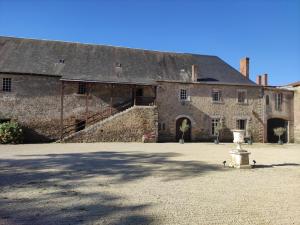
x: 81, y: 88
x: 267, y: 100
x: 241, y: 124
x: 6, y: 84
x: 242, y: 96
x: 278, y: 101
x: 216, y: 96
x: 183, y: 94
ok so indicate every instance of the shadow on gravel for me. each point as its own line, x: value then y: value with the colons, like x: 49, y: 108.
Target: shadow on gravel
x: 276, y: 165
x: 62, y: 175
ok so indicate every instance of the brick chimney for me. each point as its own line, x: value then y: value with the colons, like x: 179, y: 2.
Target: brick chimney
x: 258, y: 79
x: 264, y: 80
x: 244, y: 67
x: 194, y: 73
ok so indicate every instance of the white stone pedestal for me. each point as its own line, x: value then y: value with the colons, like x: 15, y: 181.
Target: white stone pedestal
x: 239, y: 159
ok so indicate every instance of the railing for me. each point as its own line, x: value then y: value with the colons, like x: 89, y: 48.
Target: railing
x: 105, y: 113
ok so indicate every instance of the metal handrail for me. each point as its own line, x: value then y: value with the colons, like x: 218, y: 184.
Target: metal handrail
x: 107, y: 112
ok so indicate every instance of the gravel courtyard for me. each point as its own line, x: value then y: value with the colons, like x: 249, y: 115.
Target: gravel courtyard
x: 133, y: 183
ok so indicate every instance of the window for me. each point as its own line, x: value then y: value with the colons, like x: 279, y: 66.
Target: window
x: 241, y: 96
x: 214, y: 123
x: 278, y: 101
x: 81, y: 88
x: 241, y: 124
x: 6, y: 85
x: 139, y: 92
x: 183, y: 94
x: 161, y: 126
x: 216, y: 96
x: 80, y: 125
x: 267, y: 100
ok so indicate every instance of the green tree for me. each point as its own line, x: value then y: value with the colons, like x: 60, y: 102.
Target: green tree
x: 279, y: 131
x: 184, y: 128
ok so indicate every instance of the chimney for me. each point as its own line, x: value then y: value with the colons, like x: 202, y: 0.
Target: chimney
x: 258, y: 79
x: 264, y: 80
x: 194, y: 73
x: 244, y: 67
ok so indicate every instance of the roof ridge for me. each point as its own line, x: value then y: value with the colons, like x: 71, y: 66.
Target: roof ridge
x: 107, y: 45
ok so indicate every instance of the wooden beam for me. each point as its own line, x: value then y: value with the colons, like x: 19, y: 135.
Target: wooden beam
x: 134, y: 94
x: 62, y: 110
x: 155, y: 95
x: 111, y: 98
x: 86, y: 103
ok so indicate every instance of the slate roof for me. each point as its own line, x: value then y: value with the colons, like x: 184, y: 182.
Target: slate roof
x: 76, y: 61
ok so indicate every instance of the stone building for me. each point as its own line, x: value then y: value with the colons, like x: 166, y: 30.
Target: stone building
x: 85, y: 93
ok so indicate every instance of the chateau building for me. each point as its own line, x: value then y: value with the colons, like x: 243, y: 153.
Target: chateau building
x: 77, y: 92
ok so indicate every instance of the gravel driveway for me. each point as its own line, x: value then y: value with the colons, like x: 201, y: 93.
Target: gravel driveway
x: 133, y: 183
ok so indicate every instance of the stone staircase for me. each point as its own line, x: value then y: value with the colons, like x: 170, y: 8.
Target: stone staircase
x: 128, y: 125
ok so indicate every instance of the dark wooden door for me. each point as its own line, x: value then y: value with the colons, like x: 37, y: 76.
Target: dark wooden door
x: 187, y: 134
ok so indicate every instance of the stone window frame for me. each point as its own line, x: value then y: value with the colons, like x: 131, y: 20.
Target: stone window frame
x: 213, y: 125
x: 220, y: 100
x: 237, y: 96
x: 6, y: 84
x: 278, y: 99
x: 183, y: 92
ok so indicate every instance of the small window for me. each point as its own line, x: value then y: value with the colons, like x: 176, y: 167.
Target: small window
x: 139, y: 92
x: 81, y: 88
x: 278, y: 101
x: 214, y: 124
x: 183, y: 94
x: 242, y: 96
x: 241, y: 124
x: 163, y: 126
x: 6, y: 85
x: 267, y: 100
x: 80, y: 125
x: 216, y: 96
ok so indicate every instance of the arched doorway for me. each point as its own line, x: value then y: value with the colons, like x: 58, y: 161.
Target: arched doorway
x: 274, y: 123
x: 187, y: 134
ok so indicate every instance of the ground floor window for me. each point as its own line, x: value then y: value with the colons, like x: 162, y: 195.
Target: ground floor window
x: 214, y: 124
x: 241, y: 124
x: 6, y: 84
x: 80, y: 125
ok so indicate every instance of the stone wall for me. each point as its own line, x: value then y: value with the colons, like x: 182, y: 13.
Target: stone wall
x: 35, y: 102
x: 297, y: 114
x: 286, y: 112
x: 127, y: 126
x: 201, y: 110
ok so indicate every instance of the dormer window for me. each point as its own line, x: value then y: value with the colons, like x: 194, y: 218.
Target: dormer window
x: 118, y: 65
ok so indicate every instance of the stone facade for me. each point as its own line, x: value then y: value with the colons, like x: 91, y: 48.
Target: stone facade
x: 286, y: 112
x: 200, y: 109
x: 297, y: 114
x: 127, y: 126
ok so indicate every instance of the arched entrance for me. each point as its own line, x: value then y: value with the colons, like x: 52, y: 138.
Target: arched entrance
x: 187, y: 134
x: 274, y: 123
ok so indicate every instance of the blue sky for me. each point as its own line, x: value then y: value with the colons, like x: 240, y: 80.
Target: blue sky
x: 268, y: 31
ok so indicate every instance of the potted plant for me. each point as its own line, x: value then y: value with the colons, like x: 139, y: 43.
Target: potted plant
x: 279, y: 131
x: 183, y: 128
x: 218, y: 130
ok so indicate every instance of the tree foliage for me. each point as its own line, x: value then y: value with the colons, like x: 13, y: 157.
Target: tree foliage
x: 11, y: 133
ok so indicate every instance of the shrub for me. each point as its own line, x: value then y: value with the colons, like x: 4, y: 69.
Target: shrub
x: 11, y: 133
